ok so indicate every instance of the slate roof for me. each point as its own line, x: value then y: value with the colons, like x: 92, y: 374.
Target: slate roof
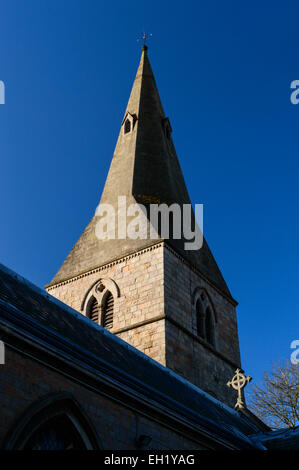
x: 282, y: 439
x: 145, y: 168
x: 37, y: 314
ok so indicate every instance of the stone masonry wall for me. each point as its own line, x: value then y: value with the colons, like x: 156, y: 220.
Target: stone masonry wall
x: 24, y: 382
x: 140, y: 280
x: 156, y: 282
x: 187, y: 354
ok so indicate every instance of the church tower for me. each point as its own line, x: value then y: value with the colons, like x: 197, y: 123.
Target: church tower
x: 170, y: 303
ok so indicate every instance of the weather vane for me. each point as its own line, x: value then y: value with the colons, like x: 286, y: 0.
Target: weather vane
x: 238, y: 382
x: 144, y: 37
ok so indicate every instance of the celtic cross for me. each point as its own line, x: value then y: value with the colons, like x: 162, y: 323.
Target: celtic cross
x: 238, y: 382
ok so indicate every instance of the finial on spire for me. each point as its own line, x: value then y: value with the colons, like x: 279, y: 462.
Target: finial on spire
x: 144, y: 37
x: 238, y: 382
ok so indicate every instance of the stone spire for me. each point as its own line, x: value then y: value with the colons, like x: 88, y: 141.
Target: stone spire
x: 145, y: 169
x: 144, y: 164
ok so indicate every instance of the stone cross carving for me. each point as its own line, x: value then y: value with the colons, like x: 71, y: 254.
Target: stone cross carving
x: 238, y: 382
x: 144, y: 38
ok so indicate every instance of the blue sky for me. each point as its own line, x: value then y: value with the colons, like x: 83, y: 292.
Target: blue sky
x: 223, y: 71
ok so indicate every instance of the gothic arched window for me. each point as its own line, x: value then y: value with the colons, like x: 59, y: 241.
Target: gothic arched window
x: 56, y: 434
x: 107, y: 314
x: 205, y: 317
x: 55, y: 422
x: 99, y: 302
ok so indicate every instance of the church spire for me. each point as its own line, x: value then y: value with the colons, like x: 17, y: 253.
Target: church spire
x: 145, y: 164
x: 146, y: 170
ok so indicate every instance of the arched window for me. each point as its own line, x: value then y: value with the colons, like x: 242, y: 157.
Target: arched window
x: 107, y: 315
x: 57, y: 433
x: 56, y: 422
x: 94, y: 311
x: 127, y: 128
x: 205, y: 316
x: 99, y: 302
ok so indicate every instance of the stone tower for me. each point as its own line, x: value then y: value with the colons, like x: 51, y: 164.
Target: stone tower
x: 168, y: 302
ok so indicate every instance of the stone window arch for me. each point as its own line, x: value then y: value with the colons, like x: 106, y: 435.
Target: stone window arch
x: 99, y: 302
x: 205, y: 316
x: 56, y: 422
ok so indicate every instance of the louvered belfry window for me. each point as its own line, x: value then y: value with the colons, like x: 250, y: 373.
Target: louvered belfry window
x: 108, y: 311
x: 94, y: 311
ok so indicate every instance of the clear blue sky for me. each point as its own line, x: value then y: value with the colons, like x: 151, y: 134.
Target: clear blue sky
x: 223, y: 71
